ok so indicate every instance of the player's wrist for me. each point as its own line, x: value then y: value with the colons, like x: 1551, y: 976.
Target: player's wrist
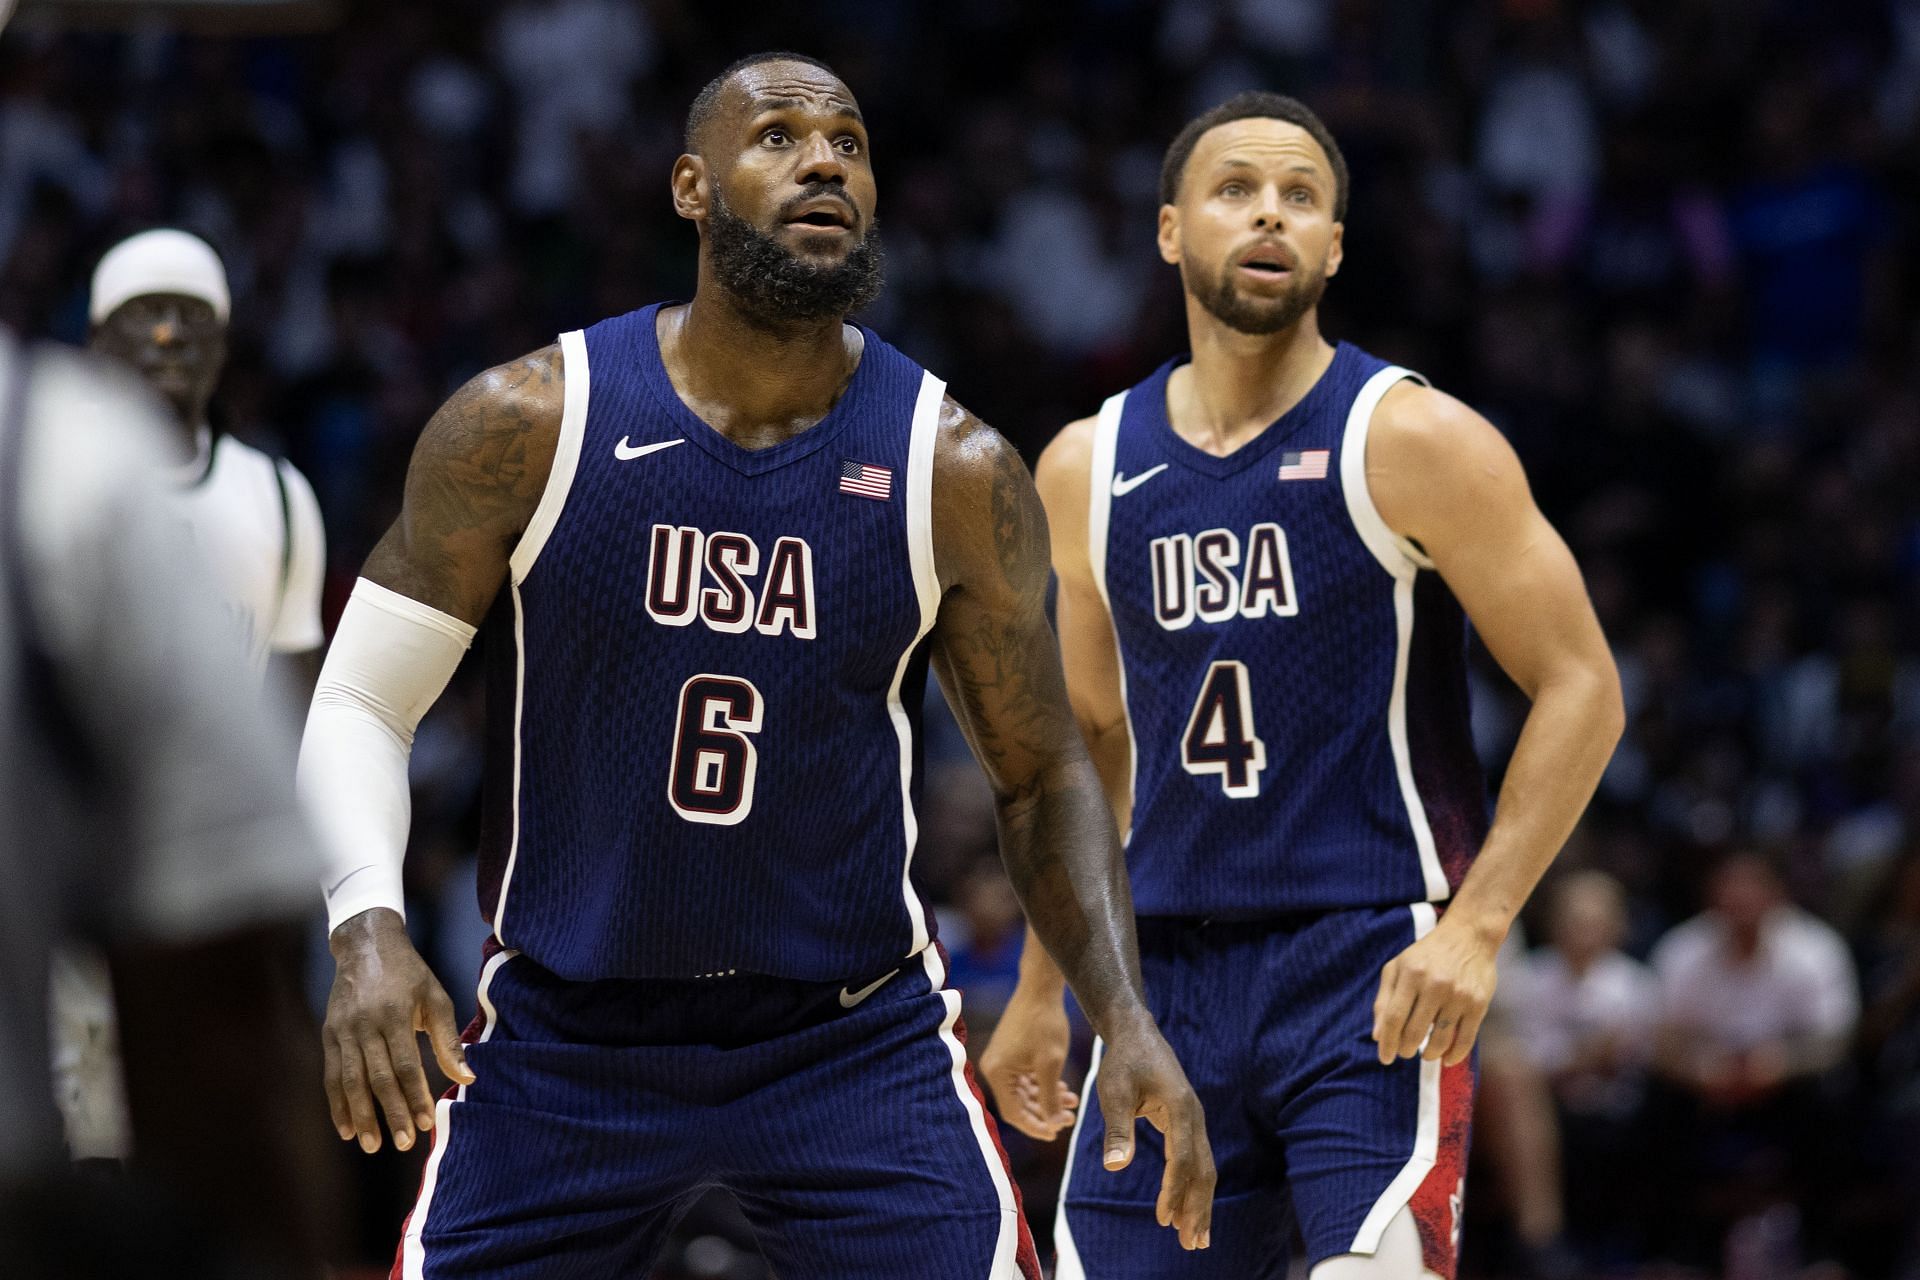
x: 363, y: 930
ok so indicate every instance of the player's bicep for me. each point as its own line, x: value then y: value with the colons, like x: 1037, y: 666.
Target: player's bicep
x: 1451, y: 482
x: 475, y: 479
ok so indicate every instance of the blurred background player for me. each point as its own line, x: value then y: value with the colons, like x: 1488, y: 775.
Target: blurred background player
x: 1268, y: 554
x: 734, y: 535
x: 146, y: 809
x: 159, y: 303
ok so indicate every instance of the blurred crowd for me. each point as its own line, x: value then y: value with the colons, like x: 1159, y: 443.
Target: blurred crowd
x: 1670, y: 247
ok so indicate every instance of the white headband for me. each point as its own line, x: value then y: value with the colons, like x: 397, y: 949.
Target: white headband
x: 162, y: 261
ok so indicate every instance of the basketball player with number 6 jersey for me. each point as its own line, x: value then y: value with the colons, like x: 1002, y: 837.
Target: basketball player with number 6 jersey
x: 727, y: 539
x: 1264, y: 551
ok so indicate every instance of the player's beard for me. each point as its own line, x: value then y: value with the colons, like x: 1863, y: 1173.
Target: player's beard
x: 1234, y: 309
x: 779, y: 288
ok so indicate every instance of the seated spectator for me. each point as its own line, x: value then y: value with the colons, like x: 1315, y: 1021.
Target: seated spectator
x: 1758, y: 1004
x: 1584, y: 1012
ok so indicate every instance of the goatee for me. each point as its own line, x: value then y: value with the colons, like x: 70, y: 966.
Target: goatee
x: 1259, y: 316
x: 778, y: 288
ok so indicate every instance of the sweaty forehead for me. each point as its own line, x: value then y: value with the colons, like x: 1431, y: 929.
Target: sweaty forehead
x: 767, y: 84
x: 1258, y: 141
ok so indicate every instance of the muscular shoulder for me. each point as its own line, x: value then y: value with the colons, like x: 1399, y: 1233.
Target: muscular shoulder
x: 1433, y: 459
x: 1062, y: 476
x: 988, y: 526
x: 474, y: 482
x: 505, y: 420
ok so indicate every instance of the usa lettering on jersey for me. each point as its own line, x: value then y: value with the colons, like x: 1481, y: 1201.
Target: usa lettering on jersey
x: 695, y: 574
x: 1214, y: 576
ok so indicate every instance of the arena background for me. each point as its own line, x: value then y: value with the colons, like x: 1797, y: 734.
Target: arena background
x: 1668, y: 246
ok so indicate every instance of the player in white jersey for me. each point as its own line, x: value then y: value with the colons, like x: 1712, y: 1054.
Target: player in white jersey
x: 160, y: 304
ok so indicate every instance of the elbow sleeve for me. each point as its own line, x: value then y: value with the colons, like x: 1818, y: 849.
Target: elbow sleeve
x: 391, y: 658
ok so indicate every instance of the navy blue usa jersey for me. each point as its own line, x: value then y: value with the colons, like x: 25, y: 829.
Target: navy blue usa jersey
x: 1294, y: 672
x: 705, y: 680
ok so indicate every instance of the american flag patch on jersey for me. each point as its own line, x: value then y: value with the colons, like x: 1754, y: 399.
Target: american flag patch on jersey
x: 1309, y: 465
x: 866, y: 481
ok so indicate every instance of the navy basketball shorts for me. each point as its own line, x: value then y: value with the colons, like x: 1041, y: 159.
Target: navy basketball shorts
x: 845, y: 1121
x: 1273, y: 1021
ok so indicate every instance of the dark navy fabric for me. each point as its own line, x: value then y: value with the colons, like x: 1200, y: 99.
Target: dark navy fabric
x: 601, y: 1110
x: 1249, y: 611
x: 1272, y: 1021
x: 639, y: 853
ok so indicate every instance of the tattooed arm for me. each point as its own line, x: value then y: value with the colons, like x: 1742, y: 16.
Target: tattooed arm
x: 1000, y: 666
x: 472, y: 487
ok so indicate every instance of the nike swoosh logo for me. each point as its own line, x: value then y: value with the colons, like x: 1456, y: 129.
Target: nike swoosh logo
x: 848, y: 999
x: 1124, y: 485
x: 627, y: 452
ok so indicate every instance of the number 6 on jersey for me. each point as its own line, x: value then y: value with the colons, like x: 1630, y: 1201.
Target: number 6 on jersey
x: 1220, y: 737
x: 714, y: 760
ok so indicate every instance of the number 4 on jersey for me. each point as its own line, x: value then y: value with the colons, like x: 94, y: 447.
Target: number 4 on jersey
x: 1220, y: 735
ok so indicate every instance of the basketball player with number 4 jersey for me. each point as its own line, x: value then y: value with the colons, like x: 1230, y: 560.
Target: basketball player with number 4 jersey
x: 727, y: 540
x: 1264, y: 553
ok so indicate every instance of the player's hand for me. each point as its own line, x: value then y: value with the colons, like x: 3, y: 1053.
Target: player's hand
x: 1140, y: 1079
x: 1437, y: 992
x: 1023, y: 1061
x: 383, y: 993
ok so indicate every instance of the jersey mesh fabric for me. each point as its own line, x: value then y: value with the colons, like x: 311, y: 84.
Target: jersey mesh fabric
x: 1316, y: 816
x: 604, y: 877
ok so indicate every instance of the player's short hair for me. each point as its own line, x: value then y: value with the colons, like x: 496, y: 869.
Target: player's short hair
x: 707, y: 101
x: 1256, y: 104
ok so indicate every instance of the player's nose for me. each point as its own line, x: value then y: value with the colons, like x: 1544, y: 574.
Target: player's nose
x: 1267, y: 209
x: 821, y: 161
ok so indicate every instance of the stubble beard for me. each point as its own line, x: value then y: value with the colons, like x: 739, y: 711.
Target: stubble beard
x: 1257, y: 316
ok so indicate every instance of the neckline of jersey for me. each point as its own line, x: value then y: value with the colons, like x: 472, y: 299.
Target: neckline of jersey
x: 1270, y: 437
x: 747, y: 461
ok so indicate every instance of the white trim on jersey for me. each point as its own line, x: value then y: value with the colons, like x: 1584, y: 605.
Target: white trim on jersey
x: 566, y: 454
x: 926, y: 587
x: 1067, y: 1265
x: 1006, y: 1249
x: 1404, y: 561
x: 553, y: 500
x: 1426, y: 1134
x: 413, y: 1253
x: 519, y: 708
x: 1106, y: 444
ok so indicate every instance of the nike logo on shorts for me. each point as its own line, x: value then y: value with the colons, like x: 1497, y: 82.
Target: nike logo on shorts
x: 627, y: 452
x: 1124, y: 485
x: 848, y: 999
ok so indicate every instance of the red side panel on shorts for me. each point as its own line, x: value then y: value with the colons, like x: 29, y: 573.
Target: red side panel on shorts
x: 1026, y: 1256
x: 1439, y: 1200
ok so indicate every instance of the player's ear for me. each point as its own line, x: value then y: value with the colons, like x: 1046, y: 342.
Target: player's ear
x: 1169, y: 234
x: 690, y: 188
x: 1335, y: 250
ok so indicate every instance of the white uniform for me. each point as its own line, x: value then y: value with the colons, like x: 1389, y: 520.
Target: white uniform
x: 257, y: 528
x: 255, y: 521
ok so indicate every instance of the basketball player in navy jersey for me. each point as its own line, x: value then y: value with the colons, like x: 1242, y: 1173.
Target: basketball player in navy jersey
x: 733, y: 536
x: 1264, y: 552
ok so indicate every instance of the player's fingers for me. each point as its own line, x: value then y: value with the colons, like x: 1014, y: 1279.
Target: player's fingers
x: 410, y: 1074
x: 1119, y: 1103
x: 443, y: 1033
x: 1390, y: 1010
x: 353, y: 1086
x: 1446, y: 1027
x: 1186, y: 1188
x: 1020, y: 1105
x: 1426, y: 1006
x: 1463, y: 1042
x: 387, y: 1095
x: 336, y: 1099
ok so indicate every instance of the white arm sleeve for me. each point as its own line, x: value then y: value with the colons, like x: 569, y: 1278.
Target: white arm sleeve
x: 390, y: 659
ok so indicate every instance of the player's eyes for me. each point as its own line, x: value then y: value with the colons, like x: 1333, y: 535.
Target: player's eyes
x: 1300, y: 195
x: 848, y: 144
x: 1233, y: 190
x: 774, y: 137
